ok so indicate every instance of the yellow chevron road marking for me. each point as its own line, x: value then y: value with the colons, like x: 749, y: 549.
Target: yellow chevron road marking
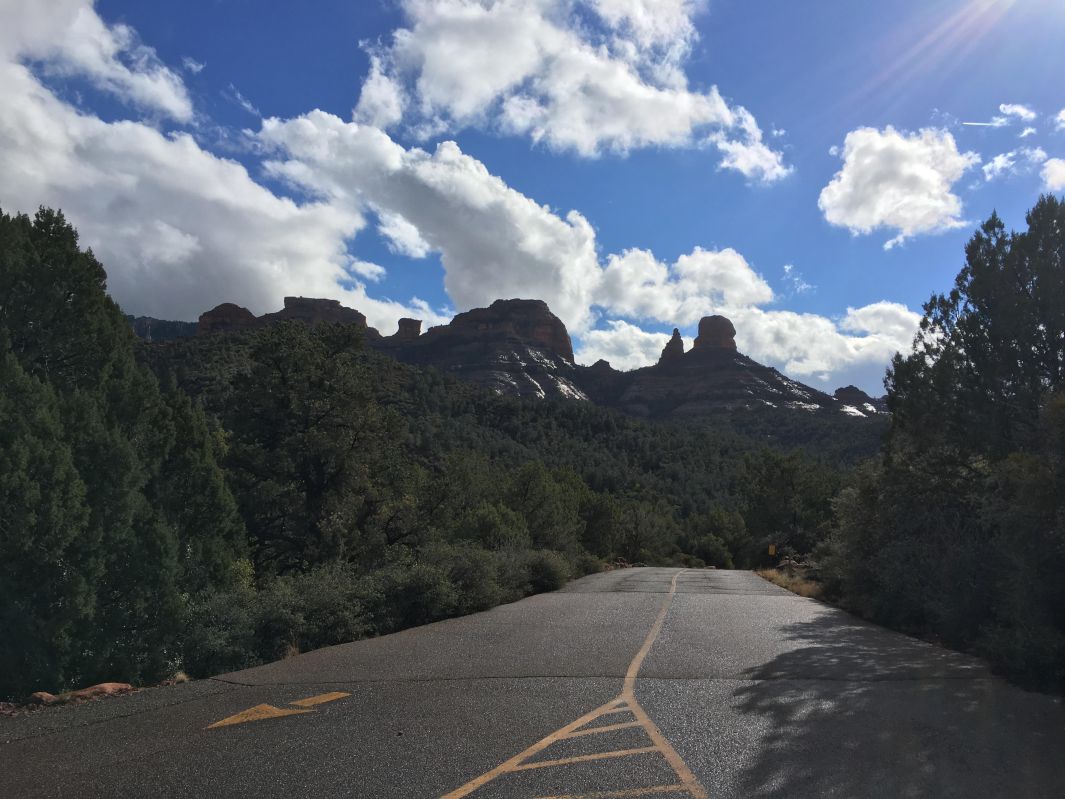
x: 263, y: 712
x: 321, y: 699
x: 257, y: 713
x: 624, y: 703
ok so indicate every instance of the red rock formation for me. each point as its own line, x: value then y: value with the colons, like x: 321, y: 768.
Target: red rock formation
x: 312, y: 311
x: 226, y: 318
x: 230, y: 318
x: 528, y: 320
x: 715, y: 331
x: 674, y: 349
x: 409, y: 329
x: 856, y: 398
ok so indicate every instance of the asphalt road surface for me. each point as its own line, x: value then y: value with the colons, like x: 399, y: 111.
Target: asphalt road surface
x: 644, y: 682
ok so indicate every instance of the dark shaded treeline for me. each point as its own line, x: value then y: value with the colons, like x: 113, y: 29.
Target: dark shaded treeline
x: 958, y: 530
x: 208, y: 503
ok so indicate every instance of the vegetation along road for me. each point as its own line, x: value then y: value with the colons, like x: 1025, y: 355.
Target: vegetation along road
x: 641, y: 682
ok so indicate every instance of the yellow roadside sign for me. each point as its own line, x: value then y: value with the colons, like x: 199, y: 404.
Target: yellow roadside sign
x: 772, y: 550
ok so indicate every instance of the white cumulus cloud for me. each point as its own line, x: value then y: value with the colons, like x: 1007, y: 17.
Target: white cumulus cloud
x: 829, y: 353
x: 493, y: 241
x: 68, y: 38
x: 898, y: 181
x: 382, y: 100
x: 626, y: 346
x: 538, y: 68
x: 401, y: 236
x: 1021, y: 112
x: 178, y: 228
x: 1015, y: 162
x: 1054, y: 174
x: 704, y: 282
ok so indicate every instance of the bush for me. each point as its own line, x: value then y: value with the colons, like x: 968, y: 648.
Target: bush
x: 220, y: 632
x: 712, y: 551
x: 586, y: 563
x: 231, y: 630
x: 409, y: 592
x: 548, y: 571
x: 329, y: 606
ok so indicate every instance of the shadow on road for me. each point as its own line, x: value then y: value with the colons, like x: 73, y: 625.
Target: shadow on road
x: 855, y: 710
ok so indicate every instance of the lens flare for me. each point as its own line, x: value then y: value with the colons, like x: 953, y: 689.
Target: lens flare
x: 944, y: 40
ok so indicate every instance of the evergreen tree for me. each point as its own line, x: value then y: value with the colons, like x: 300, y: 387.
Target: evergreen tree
x: 960, y: 530
x: 46, y: 591
x: 311, y: 454
x: 138, y: 547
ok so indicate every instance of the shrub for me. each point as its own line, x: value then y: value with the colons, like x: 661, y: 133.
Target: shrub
x: 329, y: 601
x: 548, y: 570
x: 712, y: 551
x: 472, y: 572
x: 220, y: 632
x: 408, y: 592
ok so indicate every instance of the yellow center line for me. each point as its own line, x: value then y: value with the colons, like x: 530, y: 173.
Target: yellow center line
x: 565, y: 761
x: 605, y: 728
x: 628, y: 694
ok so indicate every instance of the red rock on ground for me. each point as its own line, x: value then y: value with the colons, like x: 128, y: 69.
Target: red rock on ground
x: 96, y: 691
x: 45, y: 699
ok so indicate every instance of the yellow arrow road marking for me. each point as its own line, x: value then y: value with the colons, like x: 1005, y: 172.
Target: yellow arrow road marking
x: 257, y: 713
x: 321, y: 699
x: 262, y: 712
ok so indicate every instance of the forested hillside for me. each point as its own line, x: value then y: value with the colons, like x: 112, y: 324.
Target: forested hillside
x: 207, y: 503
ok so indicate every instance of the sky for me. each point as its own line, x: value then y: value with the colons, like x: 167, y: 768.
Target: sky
x: 810, y: 170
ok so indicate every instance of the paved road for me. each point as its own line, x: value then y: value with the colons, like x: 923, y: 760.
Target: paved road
x: 644, y: 682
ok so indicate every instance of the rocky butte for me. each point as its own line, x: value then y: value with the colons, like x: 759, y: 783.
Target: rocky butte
x: 712, y: 376
x: 519, y: 348
x: 515, y: 347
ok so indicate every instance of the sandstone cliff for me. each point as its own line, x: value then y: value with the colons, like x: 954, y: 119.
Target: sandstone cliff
x: 519, y: 348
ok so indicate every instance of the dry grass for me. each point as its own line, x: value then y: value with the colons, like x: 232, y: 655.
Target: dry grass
x: 792, y: 582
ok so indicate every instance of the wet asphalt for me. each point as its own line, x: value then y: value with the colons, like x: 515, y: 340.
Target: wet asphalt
x: 758, y: 693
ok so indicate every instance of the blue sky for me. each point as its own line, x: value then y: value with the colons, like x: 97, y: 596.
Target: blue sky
x: 745, y: 157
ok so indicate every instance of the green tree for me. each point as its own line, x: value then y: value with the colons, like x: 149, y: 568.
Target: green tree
x: 311, y: 454
x: 957, y: 531
x: 46, y: 592
x: 992, y: 350
x: 139, y: 547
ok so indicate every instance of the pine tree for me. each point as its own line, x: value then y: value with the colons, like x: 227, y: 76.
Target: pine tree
x: 146, y: 538
x: 46, y: 595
